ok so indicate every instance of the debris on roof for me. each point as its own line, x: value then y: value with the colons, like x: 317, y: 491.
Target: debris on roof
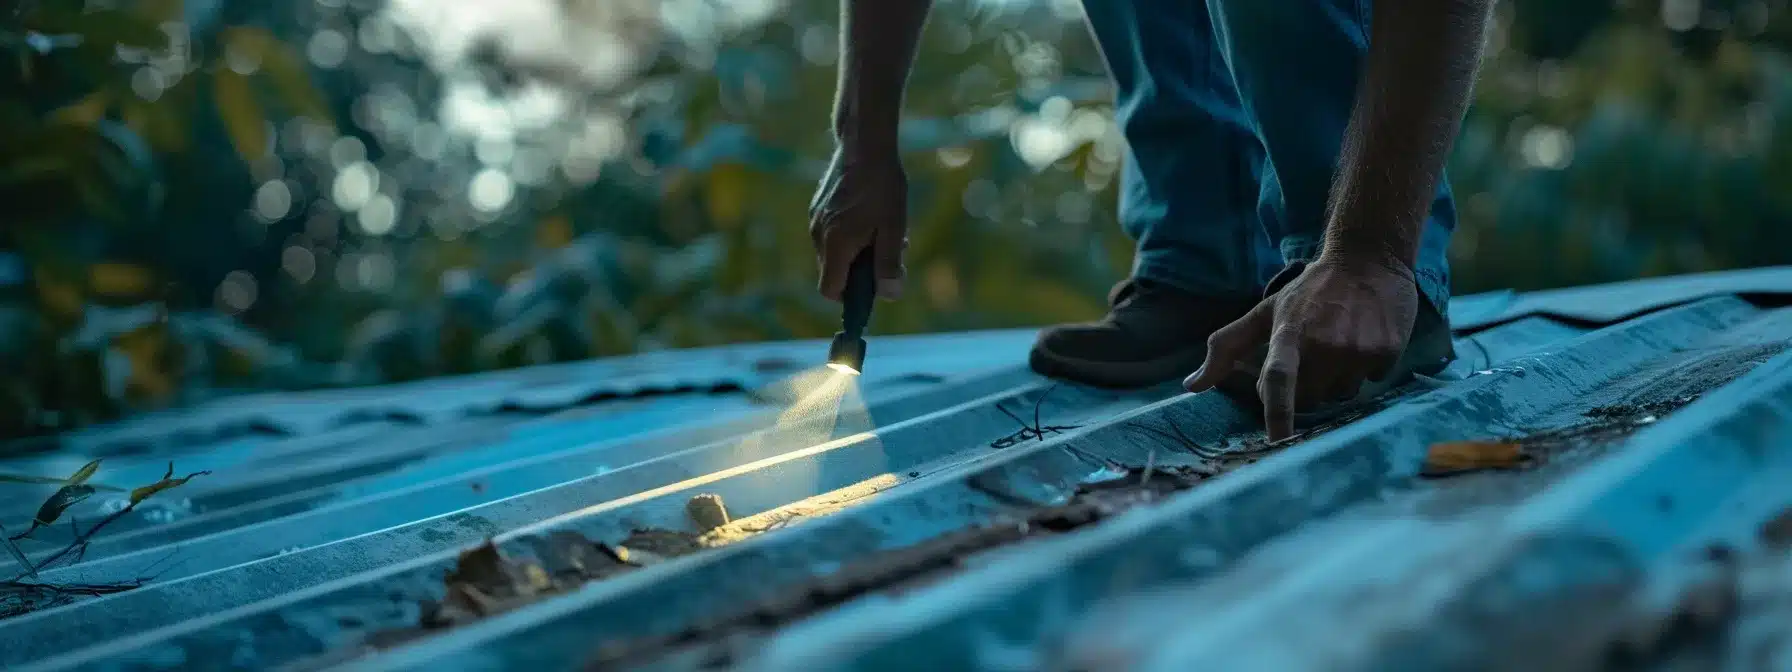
x: 1600, y: 478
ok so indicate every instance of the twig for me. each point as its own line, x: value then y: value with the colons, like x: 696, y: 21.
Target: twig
x: 22, y: 597
x: 1486, y: 356
x: 1036, y: 404
x: 1180, y: 438
x: 81, y: 540
x: 79, y: 545
x: 1034, y: 431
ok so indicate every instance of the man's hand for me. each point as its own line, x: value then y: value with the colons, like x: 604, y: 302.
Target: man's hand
x: 862, y: 202
x: 1344, y: 320
x: 1347, y: 317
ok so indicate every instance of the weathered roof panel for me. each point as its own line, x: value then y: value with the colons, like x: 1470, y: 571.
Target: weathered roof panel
x: 954, y: 511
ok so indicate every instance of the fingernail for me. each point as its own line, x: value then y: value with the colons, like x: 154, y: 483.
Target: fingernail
x: 1189, y: 382
x: 889, y: 288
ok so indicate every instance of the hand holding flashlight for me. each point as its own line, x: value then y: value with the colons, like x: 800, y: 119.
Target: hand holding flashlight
x: 847, y: 352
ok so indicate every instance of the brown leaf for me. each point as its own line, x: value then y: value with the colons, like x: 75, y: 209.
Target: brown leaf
x: 481, y: 565
x: 65, y: 497
x: 470, y: 597
x: 707, y: 511
x: 168, y: 481
x: 1460, y: 457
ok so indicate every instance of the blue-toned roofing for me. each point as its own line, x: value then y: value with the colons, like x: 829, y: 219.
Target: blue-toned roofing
x: 951, y: 510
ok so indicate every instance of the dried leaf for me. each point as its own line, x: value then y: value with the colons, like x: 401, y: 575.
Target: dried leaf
x: 168, y: 481
x: 481, y: 565
x: 19, y: 555
x: 1459, y: 457
x: 470, y: 597
x: 65, y: 497
x: 85, y: 472
x: 707, y: 511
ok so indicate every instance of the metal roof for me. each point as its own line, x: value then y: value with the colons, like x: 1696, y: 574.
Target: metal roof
x: 951, y: 510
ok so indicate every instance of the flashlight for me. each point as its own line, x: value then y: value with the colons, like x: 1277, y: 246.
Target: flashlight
x: 847, y: 353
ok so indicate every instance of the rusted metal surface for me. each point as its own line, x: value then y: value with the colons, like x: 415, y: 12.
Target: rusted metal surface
x: 1598, y: 481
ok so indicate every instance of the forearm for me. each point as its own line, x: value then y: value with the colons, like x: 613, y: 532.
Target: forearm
x: 1422, y: 61
x: 877, y: 44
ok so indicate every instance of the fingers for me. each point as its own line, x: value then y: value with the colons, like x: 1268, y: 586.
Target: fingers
x: 1230, y: 345
x: 1277, y: 384
x: 888, y: 247
x: 838, y: 249
x: 859, y: 211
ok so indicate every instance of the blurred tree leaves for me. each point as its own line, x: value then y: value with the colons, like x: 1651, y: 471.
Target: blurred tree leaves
x: 285, y: 73
x: 242, y: 116
x: 414, y: 214
x: 105, y: 101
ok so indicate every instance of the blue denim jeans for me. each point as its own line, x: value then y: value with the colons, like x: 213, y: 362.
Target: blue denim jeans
x: 1234, y: 111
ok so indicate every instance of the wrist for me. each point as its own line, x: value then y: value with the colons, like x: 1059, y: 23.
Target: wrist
x: 858, y: 141
x: 859, y: 148
x: 1369, y: 237
x: 867, y: 124
x: 1366, y: 257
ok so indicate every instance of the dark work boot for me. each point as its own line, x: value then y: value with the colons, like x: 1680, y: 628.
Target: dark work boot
x: 1154, y: 334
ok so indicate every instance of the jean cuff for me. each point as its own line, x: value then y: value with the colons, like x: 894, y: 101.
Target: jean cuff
x: 1168, y: 270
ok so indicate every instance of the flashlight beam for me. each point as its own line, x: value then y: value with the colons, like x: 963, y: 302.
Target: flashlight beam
x: 779, y: 479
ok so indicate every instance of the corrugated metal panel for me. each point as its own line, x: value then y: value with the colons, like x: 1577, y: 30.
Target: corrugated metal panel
x: 974, y: 516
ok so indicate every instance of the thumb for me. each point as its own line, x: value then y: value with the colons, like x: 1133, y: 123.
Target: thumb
x: 1231, y: 344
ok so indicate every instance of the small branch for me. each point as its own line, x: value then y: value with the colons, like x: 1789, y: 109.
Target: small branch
x: 79, y: 545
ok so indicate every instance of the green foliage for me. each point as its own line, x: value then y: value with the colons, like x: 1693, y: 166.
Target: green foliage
x: 1635, y: 149
x: 384, y: 206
